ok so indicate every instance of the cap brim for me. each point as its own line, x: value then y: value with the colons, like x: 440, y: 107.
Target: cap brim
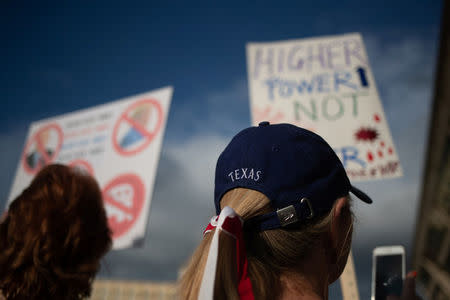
x: 360, y: 194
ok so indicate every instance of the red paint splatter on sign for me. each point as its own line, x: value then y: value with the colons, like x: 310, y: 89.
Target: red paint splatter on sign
x: 376, y: 118
x: 369, y: 156
x: 380, y: 153
x: 390, y: 151
x: 366, y: 134
x: 382, y: 144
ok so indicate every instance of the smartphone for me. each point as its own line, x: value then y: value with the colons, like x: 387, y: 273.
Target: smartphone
x: 388, y: 271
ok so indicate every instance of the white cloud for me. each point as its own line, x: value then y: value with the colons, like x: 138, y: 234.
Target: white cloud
x: 198, y: 157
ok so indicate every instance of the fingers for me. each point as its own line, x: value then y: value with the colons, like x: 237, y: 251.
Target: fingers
x: 409, y: 286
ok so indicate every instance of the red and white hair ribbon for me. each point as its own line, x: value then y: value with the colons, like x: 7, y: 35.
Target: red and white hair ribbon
x: 230, y: 223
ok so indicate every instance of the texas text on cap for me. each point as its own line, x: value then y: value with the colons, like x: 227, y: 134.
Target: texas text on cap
x: 295, y: 168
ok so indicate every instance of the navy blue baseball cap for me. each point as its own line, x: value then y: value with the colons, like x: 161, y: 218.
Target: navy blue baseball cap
x: 295, y: 168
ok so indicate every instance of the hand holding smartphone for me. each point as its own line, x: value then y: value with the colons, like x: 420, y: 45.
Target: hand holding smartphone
x: 409, y: 288
x: 388, y: 271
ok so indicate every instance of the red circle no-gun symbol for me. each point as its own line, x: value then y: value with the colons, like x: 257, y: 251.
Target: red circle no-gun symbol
x: 42, y: 148
x: 124, y: 198
x: 137, y: 126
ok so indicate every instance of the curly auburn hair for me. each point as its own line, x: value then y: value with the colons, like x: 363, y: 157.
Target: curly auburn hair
x: 53, y: 237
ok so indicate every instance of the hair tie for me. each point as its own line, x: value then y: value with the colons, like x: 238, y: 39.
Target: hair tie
x: 231, y: 223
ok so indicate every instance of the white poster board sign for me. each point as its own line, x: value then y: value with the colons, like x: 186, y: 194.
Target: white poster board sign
x: 119, y: 143
x: 325, y: 85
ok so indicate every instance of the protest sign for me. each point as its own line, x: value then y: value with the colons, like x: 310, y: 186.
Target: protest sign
x: 118, y: 143
x: 325, y: 85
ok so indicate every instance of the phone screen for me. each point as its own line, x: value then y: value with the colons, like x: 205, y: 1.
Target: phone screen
x: 388, y: 276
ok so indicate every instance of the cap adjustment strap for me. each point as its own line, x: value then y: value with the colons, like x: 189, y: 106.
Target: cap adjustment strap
x: 297, y: 212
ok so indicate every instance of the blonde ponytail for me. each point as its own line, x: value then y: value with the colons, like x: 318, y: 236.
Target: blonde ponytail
x: 269, y: 252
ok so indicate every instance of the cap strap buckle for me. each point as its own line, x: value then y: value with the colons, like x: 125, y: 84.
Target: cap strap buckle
x: 287, y: 215
x: 311, y: 211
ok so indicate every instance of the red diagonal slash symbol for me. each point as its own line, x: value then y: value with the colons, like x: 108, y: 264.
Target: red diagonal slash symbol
x: 142, y: 130
x: 148, y: 134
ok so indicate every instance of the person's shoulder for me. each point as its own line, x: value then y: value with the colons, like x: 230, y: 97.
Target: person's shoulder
x: 1, y: 296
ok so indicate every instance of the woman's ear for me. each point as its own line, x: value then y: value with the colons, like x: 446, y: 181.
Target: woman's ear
x: 341, y: 206
x: 339, y: 220
x: 340, y: 235
x: 338, y: 224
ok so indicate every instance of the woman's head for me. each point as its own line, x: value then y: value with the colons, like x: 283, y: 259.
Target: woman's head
x: 295, y: 168
x: 272, y: 253
x: 54, y: 236
x: 292, y: 193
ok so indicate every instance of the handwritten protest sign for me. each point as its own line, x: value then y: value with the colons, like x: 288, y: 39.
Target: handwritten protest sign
x: 118, y: 143
x: 325, y: 85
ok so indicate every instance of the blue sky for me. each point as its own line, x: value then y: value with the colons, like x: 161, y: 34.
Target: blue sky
x: 60, y: 57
